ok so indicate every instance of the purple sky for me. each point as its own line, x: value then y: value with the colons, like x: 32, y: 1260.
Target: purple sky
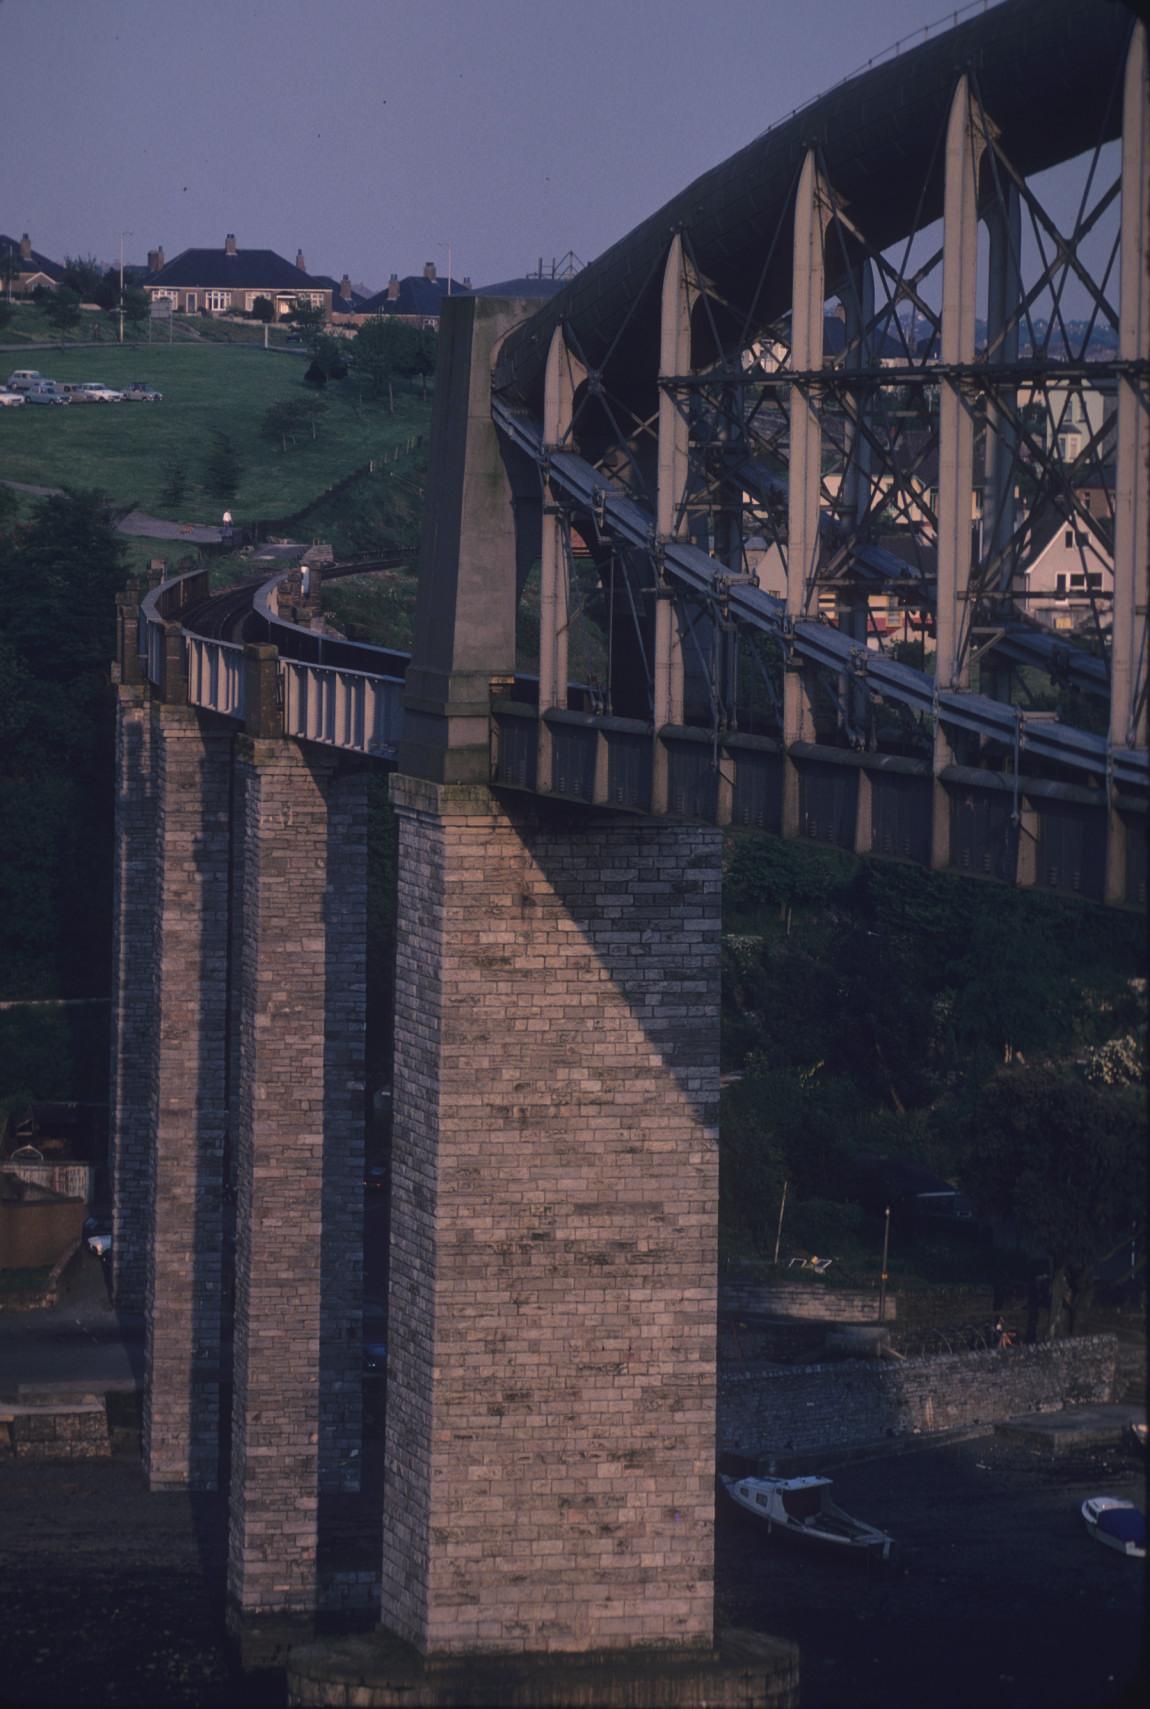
x: 373, y: 133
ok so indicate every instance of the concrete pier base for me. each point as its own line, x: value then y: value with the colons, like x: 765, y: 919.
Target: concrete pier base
x: 745, y: 1671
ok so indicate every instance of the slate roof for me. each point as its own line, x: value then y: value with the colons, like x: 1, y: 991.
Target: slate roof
x: 246, y: 270
x: 37, y: 264
x: 418, y: 295
x: 345, y: 305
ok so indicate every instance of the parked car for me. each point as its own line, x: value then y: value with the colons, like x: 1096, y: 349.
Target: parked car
x: 10, y: 400
x: 23, y: 379
x: 93, y: 392
x: 139, y: 391
x: 46, y: 392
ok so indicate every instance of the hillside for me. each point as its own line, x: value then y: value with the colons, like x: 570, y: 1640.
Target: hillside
x: 130, y: 450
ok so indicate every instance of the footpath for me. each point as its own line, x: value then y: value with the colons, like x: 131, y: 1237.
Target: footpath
x: 138, y: 522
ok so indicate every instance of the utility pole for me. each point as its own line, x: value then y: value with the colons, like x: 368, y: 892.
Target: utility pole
x: 779, y: 1230
x: 123, y: 235
x: 883, y: 1278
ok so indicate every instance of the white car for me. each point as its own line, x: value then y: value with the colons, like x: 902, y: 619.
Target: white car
x: 10, y: 400
x: 94, y: 392
x: 23, y: 379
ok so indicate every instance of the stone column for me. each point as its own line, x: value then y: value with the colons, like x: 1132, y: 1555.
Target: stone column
x: 550, y: 1448
x: 296, y: 1415
x: 132, y: 1035
x: 192, y: 767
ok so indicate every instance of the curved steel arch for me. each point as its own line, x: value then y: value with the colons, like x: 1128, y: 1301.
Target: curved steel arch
x: 867, y: 131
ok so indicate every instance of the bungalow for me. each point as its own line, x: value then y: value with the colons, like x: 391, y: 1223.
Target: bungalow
x: 415, y: 299
x: 23, y: 268
x: 1068, y: 583
x: 228, y: 281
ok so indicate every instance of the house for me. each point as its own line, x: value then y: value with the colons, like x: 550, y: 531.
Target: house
x: 415, y: 299
x: 1068, y: 582
x: 346, y: 301
x: 23, y: 269
x: 228, y: 281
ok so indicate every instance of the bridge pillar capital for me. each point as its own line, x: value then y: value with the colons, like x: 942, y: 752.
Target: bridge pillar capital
x: 465, y: 616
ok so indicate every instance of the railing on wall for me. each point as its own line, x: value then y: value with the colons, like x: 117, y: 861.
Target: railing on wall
x: 342, y: 708
x: 215, y: 671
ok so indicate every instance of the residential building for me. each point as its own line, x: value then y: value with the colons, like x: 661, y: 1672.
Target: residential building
x: 23, y: 269
x: 229, y: 280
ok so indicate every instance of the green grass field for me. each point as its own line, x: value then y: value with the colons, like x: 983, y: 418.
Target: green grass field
x: 30, y: 325
x: 125, y: 449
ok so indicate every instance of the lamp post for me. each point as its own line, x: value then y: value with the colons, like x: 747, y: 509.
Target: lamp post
x: 123, y: 235
x: 447, y: 246
x: 885, y: 1273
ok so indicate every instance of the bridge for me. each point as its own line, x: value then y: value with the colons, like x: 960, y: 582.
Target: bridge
x: 683, y: 524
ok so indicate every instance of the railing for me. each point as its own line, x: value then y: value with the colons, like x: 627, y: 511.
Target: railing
x: 215, y: 675
x: 342, y: 708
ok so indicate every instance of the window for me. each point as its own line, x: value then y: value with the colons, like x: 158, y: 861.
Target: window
x: 1060, y: 583
x: 217, y: 300
x: 1085, y: 498
x: 1078, y: 580
x: 1094, y: 579
x: 1068, y: 538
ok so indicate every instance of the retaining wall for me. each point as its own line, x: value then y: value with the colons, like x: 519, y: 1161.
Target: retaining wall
x: 810, y: 1408
x: 808, y: 1300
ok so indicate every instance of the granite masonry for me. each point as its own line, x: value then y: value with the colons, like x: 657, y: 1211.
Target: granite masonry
x: 550, y: 1452
x: 132, y: 1044
x: 811, y: 1408
x: 297, y: 1408
x: 188, y: 1102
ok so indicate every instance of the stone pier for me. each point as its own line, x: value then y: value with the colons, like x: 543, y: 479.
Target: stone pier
x: 191, y: 771
x: 296, y: 1416
x: 550, y: 1456
x: 132, y: 1039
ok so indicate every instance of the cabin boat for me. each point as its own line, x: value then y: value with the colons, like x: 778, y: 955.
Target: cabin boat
x: 802, y: 1508
x: 1118, y: 1524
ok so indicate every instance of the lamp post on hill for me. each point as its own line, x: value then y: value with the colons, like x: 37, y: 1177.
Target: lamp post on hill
x: 123, y: 235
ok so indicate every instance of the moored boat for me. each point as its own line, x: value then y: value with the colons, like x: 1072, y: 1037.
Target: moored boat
x: 802, y: 1508
x: 1118, y: 1524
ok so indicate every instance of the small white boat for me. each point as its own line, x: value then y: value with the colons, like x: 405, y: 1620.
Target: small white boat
x: 802, y: 1508
x: 1118, y: 1524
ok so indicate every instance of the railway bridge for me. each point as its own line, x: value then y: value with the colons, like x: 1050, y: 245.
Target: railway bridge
x: 858, y: 374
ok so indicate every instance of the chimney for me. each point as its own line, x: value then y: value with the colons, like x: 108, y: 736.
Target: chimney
x: 300, y: 261
x: 393, y: 288
x: 467, y: 281
x: 230, y: 243
x: 429, y: 270
x: 25, y: 248
x: 345, y: 288
x: 155, y: 259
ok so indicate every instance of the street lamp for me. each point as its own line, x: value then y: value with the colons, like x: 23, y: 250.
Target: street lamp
x: 123, y: 235
x: 447, y: 246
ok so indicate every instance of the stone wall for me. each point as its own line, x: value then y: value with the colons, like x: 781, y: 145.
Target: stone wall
x: 133, y: 1011
x: 815, y: 1301
x: 550, y: 1451
x: 296, y: 1411
x: 811, y: 1408
x: 188, y: 1098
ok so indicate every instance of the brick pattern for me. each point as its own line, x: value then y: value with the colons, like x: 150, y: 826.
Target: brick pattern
x: 814, y: 1301
x: 296, y: 1420
x: 814, y: 1407
x: 188, y: 993
x: 59, y: 1433
x: 550, y: 1453
x: 132, y: 1044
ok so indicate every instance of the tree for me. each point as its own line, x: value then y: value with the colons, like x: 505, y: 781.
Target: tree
x: 222, y: 468
x: 378, y: 351
x: 137, y: 305
x: 291, y: 417
x: 309, y: 319
x: 1065, y: 1161
x: 329, y: 360
x: 84, y: 275
x: 62, y: 308
x: 175, y: 488
x: 263, y: 309
x: 59, y: 575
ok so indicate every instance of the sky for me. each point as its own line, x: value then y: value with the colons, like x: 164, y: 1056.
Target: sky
x: 377, y: 135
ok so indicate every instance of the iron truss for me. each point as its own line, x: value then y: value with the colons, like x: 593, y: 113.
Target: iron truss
x: 783, y: 435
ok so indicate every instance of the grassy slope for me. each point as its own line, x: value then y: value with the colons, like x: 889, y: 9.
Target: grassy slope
x: 125, y: 448
x: 30, y: 326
